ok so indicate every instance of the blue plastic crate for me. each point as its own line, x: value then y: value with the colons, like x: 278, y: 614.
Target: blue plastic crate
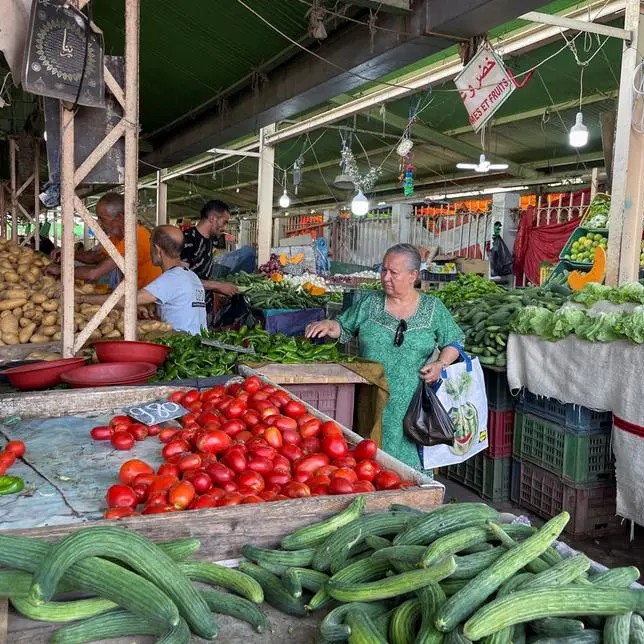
x: 575, y: 418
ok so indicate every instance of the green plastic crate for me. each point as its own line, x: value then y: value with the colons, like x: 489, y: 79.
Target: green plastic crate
x: 491, y: 478
x: 579, y: 460
x: 567, y: 249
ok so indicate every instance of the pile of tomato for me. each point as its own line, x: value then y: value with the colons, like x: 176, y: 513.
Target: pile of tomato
x: 12, y: 450
x: 242, y: 443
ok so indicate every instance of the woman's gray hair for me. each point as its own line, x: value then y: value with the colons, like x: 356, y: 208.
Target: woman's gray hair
x: 411, y: 252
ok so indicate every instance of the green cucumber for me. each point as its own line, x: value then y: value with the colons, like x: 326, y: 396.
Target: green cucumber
x: 585, y: 637
x: 430, y: 597
x: 333, y: 627
x: 404, y: 622
x: 62, y: 611
x: 363, y: 630
x: 228, y: 578
x: 456, y: 637
x: 637, y: 630
x: 617, y: 629
x: 238, y: 607
x: 561, y: 601
x: 556, y: 626
x: 560, y: 574
x: 500, y: 531
x: 407, y: 554
x: 278, y: 560
x: 616, y: 577
x: 465, y: 602
x: 377, y: 543
x: 274, y: 592
x: 297, y: 579
x: 468, y: 566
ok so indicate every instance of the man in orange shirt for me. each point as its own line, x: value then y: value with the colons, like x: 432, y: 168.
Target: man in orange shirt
x: 110, y: 213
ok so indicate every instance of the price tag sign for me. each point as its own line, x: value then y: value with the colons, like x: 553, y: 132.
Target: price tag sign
x: 156, y: 412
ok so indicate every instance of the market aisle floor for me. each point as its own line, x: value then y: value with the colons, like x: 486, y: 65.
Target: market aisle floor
x: 612, y: 551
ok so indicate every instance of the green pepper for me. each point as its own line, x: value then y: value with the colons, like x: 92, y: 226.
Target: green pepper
x: 11, y: 484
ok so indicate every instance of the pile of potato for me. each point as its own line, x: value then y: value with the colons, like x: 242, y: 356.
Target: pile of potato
x: 30, y: 310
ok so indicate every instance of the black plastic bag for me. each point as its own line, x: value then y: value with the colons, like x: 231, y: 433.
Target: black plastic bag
x: 236, y: 313
x: 426, y: 421
x: 501, y: 261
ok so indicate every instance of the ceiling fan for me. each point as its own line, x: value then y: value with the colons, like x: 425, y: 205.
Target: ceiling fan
x: 482, y: 166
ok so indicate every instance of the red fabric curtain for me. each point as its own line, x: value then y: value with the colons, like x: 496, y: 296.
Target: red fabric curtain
x: 544, y: 243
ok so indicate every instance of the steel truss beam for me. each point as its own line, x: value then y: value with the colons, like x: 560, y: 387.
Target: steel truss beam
x: 30, y: 214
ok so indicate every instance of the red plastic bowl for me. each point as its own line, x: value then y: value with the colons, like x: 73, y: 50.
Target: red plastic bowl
x: 41, y: 375
x: 106, y: 374
x: 129, y: 351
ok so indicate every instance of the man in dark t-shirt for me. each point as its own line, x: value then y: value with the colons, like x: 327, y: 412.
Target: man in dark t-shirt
x: 199, y: 244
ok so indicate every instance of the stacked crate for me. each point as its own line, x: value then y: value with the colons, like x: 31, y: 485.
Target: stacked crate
x: 489, y: 473
x: 563, y: 461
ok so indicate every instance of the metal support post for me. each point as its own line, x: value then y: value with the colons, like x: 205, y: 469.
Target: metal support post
x: 3, y: 210
x: 594, y: 182
x: 36, y: 213
x: 14, y: 189
x: 627, y: 203
x: 162, y: 198
x: 266, y: 178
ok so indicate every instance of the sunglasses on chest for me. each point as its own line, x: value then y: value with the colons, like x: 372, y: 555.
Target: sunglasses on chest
x: 399, y: 338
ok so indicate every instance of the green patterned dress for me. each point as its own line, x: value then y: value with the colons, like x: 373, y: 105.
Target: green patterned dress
x: 429, y: 328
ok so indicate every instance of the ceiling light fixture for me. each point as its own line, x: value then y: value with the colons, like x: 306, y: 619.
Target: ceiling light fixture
x: 578, y: 136
x: 482, y: 166
x: 285, y: 200
x: 360, y: 205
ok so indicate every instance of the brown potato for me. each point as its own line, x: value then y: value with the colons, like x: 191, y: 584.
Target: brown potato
x: 38, y: 298
x: 9, y: 324
x: 12, y: 303
x: 14, y: 292
x: 11, y: 276
x: 50, y: 305
x: 36, y: 338
x: 57, y: 336
x: 26, y: 333
x: 112, y: 335
x: 10, y: 338
x: 47, y: 330
x: 49, y: 319
x: 18, y: 312
x: 23, y: 268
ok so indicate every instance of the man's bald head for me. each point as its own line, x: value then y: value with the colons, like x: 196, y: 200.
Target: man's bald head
x: 169, y: 239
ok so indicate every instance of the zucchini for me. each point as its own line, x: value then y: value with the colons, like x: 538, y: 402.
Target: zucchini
x: 279, y: 560
x: 617, y: 628
x: 443, y: 520
x: 238, y: 607
x: 136, y: 551
x: 116, y: 623
x: 556, y: 626
x: 297, y: 579
x: 637, y: 630
x: 333, y: 627
x: 359, y: 571
x: 469, y: 566
x: 616, y: 577
x: 390, y: 586
x: 228, y: 578
x: 62, y: 611
x: 526, y: 605
x: 465, y: 602
x: 404, y: 622
x: 315, y: 534
x: 336, y: 548
x: 97, y: 577
x: 274, y: 592
x: 586, y: 637
x: 363, y: 630
x: 561, y: 574
x: 430, y: 598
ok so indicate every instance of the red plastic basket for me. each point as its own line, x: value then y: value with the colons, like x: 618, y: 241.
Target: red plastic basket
x: 129, y: 351
x: 106, y: 374
x: 40, y: 375
x: 500, y: 429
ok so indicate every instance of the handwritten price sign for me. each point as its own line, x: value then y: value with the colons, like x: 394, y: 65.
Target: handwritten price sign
x: 156, y: 412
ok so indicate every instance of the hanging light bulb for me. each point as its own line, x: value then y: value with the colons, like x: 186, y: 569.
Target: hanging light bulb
x: 578, y: 132
x: 360, y: 205
x: 285, y: 200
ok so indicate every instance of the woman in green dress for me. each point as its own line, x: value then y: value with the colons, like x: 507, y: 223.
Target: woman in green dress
x: 402, y: 329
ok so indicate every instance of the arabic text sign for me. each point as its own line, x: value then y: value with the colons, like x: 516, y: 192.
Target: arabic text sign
x: 484, y: 85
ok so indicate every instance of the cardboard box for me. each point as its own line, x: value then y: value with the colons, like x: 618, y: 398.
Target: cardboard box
x: 478, y: 266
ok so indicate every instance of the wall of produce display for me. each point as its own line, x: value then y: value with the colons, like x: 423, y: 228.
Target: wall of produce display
x: 189, y: 358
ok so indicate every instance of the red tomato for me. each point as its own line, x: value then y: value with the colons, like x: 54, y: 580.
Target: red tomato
x: 120, y: 427
x: 273, y: 437
x: 235, y: 459
x: 280, y: 399
x: 133, y: 468
x: 243, y: 437
x: 154, y: 430
x: 141, y: 492
x: 252, y: 480
x: 250, y: 417
x: 302, y: 477
x: 189, y: 462
x: 233, y: 427
x: 234, y: 389
x: 252, y: 384
x: 259, y: 430
x: 120, y: 420
x: 345, y: 461
x: 188, y: 419
x: 294, y: 409
x: 363, y: 487
x: 118, y: 513
x: 176, y: 396
x: 386, y: 480
x: 213, y: 442
x: 213, y: 394
x: 177, y: 446
x: 365, y: 449
x: 305, y: 418
x: 160, y: 498
x: 292, y: 452
x: 325, y: 470
x: 264, y: 449
x: 268, y: 495
x: 311, y: 463
x: 367, y: 470
x: 120, y: 496
x: 222, y: 404
x: 144, y: 479
x: 257, y: 397
x: 219, y: 473
x: 346, y: 473
x: 283, y: 423
x: 310, y: 428
x: 331, y: 429
x: 243, y: 396
x: 188, y: 435
x: 167, y: 434
x: 281, y: 464
x: 269, y: 389
x: 162, y: 484
x: 407, y: 484
x: 260, y: 464
x: 267, y: 412
x: 201, y: 502
x: 334, y: 446
x: 295, y: 490
x: 196, y: 407
x: 277, y: 478
x: 169, y: 468
x: 158, y: 509
x: 181, y: 494
x: 235, y: 409
x: 231, y: 486
x: 340, y: 485
x: 190, y: 397
x: 320, y: 490
x: 231, y: 498
x: 139, y: 432
x: 101, y: 433
x: 206, y: 417
x: 311, y: 445
x: 318, y: 480
x: 122, y: 441
x: 291, y: 437
x: 215, y: 493
x: 252, y: 498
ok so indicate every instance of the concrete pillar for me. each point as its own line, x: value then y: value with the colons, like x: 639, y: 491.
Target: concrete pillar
x: 162, y: 199
x: 265, y: 184
x: 401, y: 223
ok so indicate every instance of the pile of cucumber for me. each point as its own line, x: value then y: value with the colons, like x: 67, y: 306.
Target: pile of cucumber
x: 485, y: 321
x: 133, y: 587
x: 452, y: 576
